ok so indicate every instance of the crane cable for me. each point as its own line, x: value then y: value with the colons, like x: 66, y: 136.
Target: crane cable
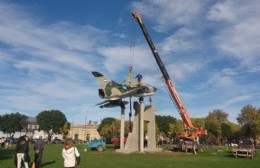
x: 132, y: 43
x: 130, y: 75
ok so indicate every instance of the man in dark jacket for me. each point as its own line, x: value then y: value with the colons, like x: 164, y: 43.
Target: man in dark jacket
x: 22, y: 153
x: 38, y: 149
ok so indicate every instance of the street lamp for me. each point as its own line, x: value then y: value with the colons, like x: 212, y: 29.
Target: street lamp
x: 86, y: 126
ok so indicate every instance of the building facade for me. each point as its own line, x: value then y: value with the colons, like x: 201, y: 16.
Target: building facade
x: 84, y: 132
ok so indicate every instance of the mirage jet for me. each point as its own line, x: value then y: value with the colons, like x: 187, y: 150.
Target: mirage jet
x: 114, y: 92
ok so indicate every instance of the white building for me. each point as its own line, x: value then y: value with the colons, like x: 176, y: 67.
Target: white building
x: 84, y: 132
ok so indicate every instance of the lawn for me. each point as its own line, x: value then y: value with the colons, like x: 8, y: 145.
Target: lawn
x: 214, y: 157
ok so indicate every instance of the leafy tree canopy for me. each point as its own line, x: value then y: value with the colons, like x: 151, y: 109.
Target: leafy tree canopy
x: 213, y: 128
x: 198, y: 122
x: 226, y: 130
x: 214, y: 121
x: 65, y: 129
x: 248, y: 115
x: 249, y: 120
x: 163, y: 123
x: 217, y: 116
x: 10, y: 123
x: 109, y: 128
x: 51, y: 121
x: 105, y: 122
x: 175, y: 129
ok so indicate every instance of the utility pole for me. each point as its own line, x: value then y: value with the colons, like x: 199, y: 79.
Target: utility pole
x: 85, y: 136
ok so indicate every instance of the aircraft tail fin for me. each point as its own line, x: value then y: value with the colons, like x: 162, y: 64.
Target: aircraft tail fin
x: 103, y: 80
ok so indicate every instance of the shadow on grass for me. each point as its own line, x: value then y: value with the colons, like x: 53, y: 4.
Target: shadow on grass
x: 46, y: 164
x: 6, y: 154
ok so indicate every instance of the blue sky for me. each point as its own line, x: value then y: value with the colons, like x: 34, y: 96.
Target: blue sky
x: 49, y: 48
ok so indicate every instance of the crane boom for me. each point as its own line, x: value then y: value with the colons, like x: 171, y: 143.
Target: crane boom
x: 190, y: 132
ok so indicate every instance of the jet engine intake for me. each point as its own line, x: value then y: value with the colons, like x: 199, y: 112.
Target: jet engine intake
x: 101, y: 93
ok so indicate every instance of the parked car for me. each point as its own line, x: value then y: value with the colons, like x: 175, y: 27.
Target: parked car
x: 246, y: 144
x: 78, y: 141
x: 232, y: 144
x: 116, y: 142
x: 10, y: 140
x: 57, y: 141
x: 97, y: 144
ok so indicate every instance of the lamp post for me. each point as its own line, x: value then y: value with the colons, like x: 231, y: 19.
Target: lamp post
x: 85, y: 136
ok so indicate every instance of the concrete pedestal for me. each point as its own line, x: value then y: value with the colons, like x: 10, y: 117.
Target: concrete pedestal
x: 135, y: 140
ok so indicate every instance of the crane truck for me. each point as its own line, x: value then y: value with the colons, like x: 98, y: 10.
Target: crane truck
x: 190, y: 132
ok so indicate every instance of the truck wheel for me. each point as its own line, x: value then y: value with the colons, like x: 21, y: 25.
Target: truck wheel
x: 99, y: 148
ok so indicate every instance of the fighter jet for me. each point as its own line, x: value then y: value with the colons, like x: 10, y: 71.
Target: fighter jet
x: 114, y: 92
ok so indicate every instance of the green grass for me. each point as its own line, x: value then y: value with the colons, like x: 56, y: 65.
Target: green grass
x: 210, y: 158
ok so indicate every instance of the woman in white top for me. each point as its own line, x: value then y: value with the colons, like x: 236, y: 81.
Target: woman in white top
x: 69, y: 153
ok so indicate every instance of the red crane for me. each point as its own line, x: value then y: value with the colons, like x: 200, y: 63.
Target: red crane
x: 190, y: 131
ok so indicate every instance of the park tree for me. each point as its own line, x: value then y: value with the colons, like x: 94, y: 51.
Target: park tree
x: 65, y: 130
x: 110, y: 128
x: 105, y: 122
x: 10, y: 123
x: 226, y: 131
x: 51, y: 121
x: 198, y: 122
x: 214, y: 131
x: 217, y: 116
x: 175, y: 129
x: 163, y: 124
x: 249, y: 120
x: 230, y: 131
x: 107, y: 128
x: 213, y: 124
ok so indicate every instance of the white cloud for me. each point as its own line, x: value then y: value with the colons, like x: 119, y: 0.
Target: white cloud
x: 223, y: 12
x: 221, y: 79
x: 182, y: 40
x: 183, y: 69
x: 241, y: 41
x: 64, y: 43
x: 118, y: 57
x: 238, y: 99
x: 169, y: 13
x: 240, y: 37
x: 120, y: 35
x: 48, y: 65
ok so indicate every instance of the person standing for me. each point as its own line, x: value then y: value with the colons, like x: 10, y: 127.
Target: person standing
x: 38, y: 150
x: 139, y: 77
x: 22, y: 153
x: 69, y: 154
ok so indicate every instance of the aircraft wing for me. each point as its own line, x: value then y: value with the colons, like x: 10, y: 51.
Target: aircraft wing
x: 101, y: 103
x: 112, y: 103
x: 134, y: 91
